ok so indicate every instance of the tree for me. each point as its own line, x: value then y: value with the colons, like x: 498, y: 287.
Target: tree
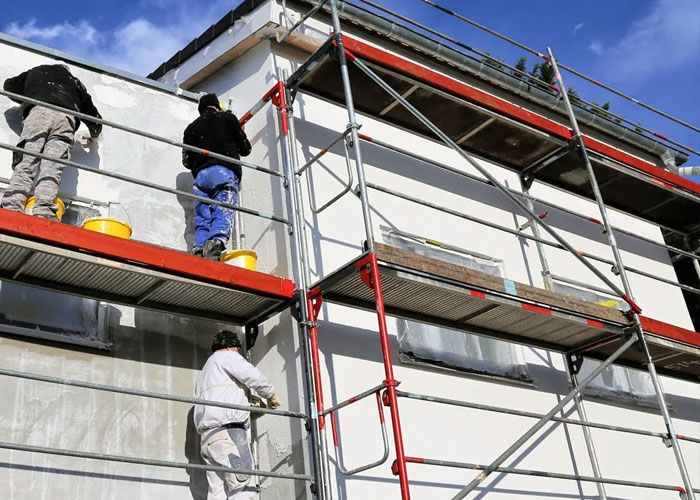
x: 521, y: 65
x: 544, y: 72
x: 573, y: 96
x: 494, y: 62
x: 603, y: 109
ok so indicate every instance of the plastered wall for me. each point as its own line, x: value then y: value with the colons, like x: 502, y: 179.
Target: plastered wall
x: 149, y: 351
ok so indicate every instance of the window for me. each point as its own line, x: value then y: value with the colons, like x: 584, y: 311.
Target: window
x: 38, y: 313
x: 616, y: 383
x: 619, y: 384
x: 588, y: 295
x: 457, y: 350
x: 54, y: 316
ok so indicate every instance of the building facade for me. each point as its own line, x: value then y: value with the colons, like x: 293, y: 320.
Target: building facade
x: 155, y: 351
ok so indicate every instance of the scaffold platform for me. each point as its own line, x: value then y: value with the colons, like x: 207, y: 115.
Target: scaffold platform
x: 502, y: 131
x: 432, y: 291
x: 64, y: 258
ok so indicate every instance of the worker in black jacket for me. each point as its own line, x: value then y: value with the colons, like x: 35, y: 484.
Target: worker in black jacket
x: 46, y: 131
x: 219, y: 132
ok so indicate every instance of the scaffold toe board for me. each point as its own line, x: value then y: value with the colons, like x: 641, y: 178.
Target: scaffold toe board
x: 441, y: 293
x: 498, y: 129
x: 64, y: 258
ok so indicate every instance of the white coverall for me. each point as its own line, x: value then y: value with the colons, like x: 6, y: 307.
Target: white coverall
x: 228, y: 378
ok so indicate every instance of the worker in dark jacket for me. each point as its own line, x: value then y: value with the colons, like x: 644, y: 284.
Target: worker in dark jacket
x: 219, y: 132
x: 46, y: 131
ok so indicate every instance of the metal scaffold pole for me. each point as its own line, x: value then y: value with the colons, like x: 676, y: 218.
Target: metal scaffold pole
x: 578, y: 137
x: 542, y: 422
x: 491, y: 179
x: 352, y: 122
x: 590, y: 447
x: 299, y: 260
x: 371, y: 265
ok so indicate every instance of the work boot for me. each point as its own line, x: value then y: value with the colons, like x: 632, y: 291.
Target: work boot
x: 213, y: 249
x: 197, y: 252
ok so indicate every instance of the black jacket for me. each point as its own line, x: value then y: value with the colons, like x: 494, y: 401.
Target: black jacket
x: 218, y: 132
x: 55, y: 85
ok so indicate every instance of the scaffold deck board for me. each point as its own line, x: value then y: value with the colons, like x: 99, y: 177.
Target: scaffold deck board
x: 440, y: 293
x: 500, y: 130
x: 68, y: 259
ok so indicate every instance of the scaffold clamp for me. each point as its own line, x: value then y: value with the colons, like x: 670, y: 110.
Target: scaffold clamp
x: 395, y: 468
x: 575, y: 363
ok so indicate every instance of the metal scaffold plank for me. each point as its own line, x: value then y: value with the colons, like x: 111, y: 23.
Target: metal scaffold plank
x: 68, y: 259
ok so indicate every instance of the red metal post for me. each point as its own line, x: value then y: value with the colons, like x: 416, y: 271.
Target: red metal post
x: 314, y: 305
x: 390, y: 381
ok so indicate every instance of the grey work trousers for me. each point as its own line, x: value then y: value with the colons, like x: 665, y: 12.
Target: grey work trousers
x: 228, y: 448
x: 51, y: 133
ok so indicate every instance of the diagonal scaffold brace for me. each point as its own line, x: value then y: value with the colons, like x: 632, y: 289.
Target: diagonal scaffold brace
x: 623, y: 293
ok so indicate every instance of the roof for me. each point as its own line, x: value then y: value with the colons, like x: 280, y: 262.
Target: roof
x: 205, y: 38
x: 402, y: 37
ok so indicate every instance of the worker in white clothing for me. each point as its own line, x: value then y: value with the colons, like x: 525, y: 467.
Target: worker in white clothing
x: 228, y: 378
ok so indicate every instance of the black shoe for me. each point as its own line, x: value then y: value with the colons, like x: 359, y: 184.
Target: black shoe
x: 213, y: 249
x: 197, y: 252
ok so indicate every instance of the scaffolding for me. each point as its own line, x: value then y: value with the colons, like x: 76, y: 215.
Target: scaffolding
x: 384, y: 279
x: 377, y: 279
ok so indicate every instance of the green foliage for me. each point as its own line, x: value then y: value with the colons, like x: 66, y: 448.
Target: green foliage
x: 494, y: 62
x: 521, y: 64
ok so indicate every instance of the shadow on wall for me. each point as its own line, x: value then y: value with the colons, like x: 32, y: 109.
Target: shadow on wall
x: 198, y: 478
x: 351, y: 342
x: 185, y: 182
x: 89, y: 156
x: 317, y: 136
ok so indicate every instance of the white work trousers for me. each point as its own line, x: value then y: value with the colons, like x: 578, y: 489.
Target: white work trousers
x: 228, y: 448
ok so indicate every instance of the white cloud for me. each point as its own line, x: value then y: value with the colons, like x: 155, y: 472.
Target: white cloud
x: 578, y: 27
x: 668, y: 38
x: 138, y: 45
x: 82, y: 31
x: 596, y: 47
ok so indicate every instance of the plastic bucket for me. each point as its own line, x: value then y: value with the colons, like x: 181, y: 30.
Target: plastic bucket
x: 108, y: 225
x: 31, y: 201
x: 241, y: 258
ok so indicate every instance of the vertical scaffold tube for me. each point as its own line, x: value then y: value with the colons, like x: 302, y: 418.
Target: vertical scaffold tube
x: 301, y: 273
x: 374, y: 268
x: 390, y: 380
x: 493, y: 466
x: 583, y: 417
x: 352, y: 122
x: 625, y: 282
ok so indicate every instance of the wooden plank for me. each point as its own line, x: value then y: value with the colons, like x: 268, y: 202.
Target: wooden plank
x: 405, y: 258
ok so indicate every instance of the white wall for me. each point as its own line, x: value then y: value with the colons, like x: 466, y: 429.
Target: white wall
x: 351, y: 359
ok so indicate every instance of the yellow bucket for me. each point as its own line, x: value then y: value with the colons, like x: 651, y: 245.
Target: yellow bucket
x: 108, y: 225
x: 241, y: 258
x: 31, y: 201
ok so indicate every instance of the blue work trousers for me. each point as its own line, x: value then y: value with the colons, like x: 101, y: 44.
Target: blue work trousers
x: 214, y: 222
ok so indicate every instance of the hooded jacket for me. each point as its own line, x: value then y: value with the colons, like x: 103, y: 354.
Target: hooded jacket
x: 218, y: 132
x: 54, y: 84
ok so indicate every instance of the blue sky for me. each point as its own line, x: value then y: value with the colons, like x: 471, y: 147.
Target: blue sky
x: 649, y: 49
